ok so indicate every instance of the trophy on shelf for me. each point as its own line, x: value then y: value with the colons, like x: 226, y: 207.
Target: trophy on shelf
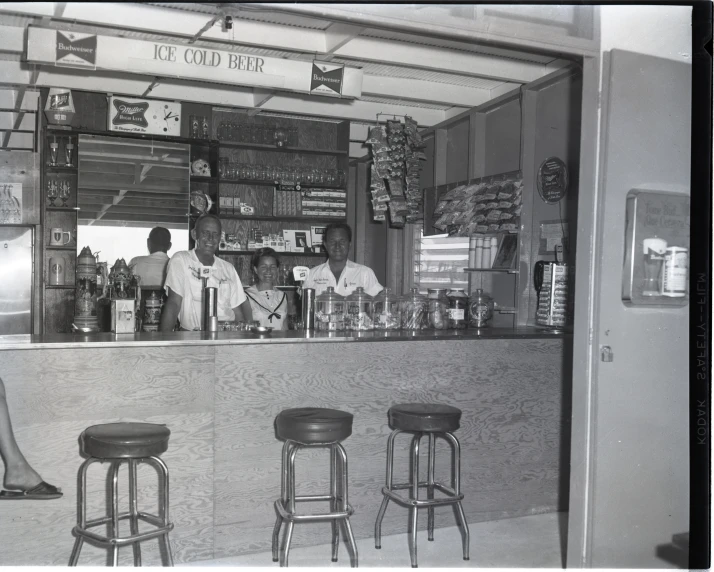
x: 52, y: 192
x: 64, y: 192
x: 54, y: 148
x: 68, y: 149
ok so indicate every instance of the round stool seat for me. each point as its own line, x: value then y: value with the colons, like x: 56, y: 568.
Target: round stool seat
x: 309, y: 425
x: 424, y: 417
x: 125, y: 440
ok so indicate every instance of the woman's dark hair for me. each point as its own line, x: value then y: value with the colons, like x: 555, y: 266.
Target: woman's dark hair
x: 260, y: 253
x: 335, y: 226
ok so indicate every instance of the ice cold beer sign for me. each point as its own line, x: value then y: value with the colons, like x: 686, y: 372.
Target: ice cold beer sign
x: 207, y: 58
x: 166, y: 60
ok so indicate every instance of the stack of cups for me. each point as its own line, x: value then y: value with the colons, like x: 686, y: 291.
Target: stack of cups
x: 482, y: 251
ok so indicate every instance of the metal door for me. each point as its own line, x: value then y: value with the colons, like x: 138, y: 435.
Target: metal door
x: 638, y: 489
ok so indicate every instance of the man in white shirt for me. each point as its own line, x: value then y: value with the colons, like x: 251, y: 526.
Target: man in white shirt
x: 339, y: 272
x: 184, y: 285
x: 152, y: 269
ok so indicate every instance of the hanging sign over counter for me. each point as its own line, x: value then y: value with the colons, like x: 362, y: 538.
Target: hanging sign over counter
x: 144, y: 116
x: 62, y: 48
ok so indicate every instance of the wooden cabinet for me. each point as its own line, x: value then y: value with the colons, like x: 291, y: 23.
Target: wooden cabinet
x: 58, y: 215
x: 294, y: 186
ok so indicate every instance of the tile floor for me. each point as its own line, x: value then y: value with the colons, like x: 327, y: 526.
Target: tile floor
x: 536, y: 541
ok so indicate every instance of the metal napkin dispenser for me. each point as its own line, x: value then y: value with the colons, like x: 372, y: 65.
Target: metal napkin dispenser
x: 123, y: 316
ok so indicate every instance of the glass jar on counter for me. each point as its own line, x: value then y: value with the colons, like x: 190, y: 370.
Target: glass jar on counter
x: 358, y: 314
x: 438, y: 307
x: 415, y: 311
x: 330, y: 311
x: 457, y: 314
x: 480, y: 309
x: 387, y: 311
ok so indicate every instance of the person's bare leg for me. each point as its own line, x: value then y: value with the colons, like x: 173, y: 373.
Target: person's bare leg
x: 18, y: 472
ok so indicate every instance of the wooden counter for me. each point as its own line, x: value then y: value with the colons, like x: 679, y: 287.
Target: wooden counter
x: 220, y: 399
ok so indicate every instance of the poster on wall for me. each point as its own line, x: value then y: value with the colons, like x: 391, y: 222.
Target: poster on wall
x: 144, y: 116
x: 656, y: 265
x: 10, y: 203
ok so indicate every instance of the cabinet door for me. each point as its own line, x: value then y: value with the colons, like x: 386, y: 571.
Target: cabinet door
x: 16, y: 258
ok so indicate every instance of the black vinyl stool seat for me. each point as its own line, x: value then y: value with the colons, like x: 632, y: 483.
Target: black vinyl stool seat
x: 313, y: 427
x: 433, y: 420
x: 119, y: 443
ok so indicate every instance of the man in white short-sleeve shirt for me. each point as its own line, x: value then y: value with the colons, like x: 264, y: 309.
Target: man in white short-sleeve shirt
x: 184, y: 285
x: 152, y: 269
x: 339, y: 272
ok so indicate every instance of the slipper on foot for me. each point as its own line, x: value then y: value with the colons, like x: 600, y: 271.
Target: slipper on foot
x: 43, y: 491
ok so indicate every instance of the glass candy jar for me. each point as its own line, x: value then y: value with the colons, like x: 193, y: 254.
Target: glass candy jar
x: 358, y: 315
x: 438, y: 306
x: 415, y: 311
x: 387, y: 311
x: 330, y: 311
x: 457, y: 315
x: 480, y: 309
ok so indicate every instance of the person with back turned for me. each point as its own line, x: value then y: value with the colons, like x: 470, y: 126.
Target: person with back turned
x: 339, y: 272
x: 184, y: 285
x: 152, y: 268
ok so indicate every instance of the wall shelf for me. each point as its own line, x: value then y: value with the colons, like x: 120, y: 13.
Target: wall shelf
x: 66, y: 248
x: 200, y: 179
x: 62, y: 209
x: 491, y: 270
x: 282, y: 218
x: 251, y: 252
x: 303, y: 186
x: 264, y: 147
x: 59, y: 287
x: 60, y: 169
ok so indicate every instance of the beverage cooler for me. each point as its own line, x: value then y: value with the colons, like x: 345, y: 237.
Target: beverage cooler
x: 16, y: 268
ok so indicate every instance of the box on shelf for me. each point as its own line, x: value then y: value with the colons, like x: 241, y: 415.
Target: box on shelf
x: 299, y: 240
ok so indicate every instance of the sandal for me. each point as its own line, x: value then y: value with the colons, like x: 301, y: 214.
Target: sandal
x: 43, y: 491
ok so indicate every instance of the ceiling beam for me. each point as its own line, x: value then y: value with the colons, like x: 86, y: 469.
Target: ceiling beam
x: 338, y: 34
x: 421, y: 90
x: 441, y: 59
x: 134, y: 16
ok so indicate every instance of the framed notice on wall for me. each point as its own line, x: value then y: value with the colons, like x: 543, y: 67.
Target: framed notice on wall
x: 144, y: 116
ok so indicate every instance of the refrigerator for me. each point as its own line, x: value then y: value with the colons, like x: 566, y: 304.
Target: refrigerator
x: 16, y: 278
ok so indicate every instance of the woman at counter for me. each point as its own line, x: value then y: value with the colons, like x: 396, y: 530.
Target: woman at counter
x: 269, y: 305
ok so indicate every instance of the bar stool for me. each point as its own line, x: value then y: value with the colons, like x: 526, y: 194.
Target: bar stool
x: 314, y: 427
x: 434, y: 420
x: 118, y: 443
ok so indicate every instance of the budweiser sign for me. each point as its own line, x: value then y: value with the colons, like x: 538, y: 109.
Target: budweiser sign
x: 77, y: 50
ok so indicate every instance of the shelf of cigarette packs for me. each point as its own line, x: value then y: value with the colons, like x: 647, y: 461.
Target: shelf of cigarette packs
x: 302, y: 175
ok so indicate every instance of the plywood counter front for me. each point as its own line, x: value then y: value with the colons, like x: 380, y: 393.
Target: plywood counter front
x: 220, y: 399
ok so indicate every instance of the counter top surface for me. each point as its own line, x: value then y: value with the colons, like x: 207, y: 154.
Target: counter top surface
x: 144, y: 339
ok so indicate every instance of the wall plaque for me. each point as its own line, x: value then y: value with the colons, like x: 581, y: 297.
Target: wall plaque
x: 552, y: 180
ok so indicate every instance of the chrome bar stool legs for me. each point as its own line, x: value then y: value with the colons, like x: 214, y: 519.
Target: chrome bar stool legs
x: 313, y: 427
x: 432, y: 421
x: 118, y: 443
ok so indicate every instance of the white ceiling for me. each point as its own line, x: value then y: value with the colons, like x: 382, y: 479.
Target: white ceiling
x: 427, y: 77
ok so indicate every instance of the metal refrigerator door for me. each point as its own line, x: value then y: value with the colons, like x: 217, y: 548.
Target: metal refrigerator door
x: 16, y: 280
